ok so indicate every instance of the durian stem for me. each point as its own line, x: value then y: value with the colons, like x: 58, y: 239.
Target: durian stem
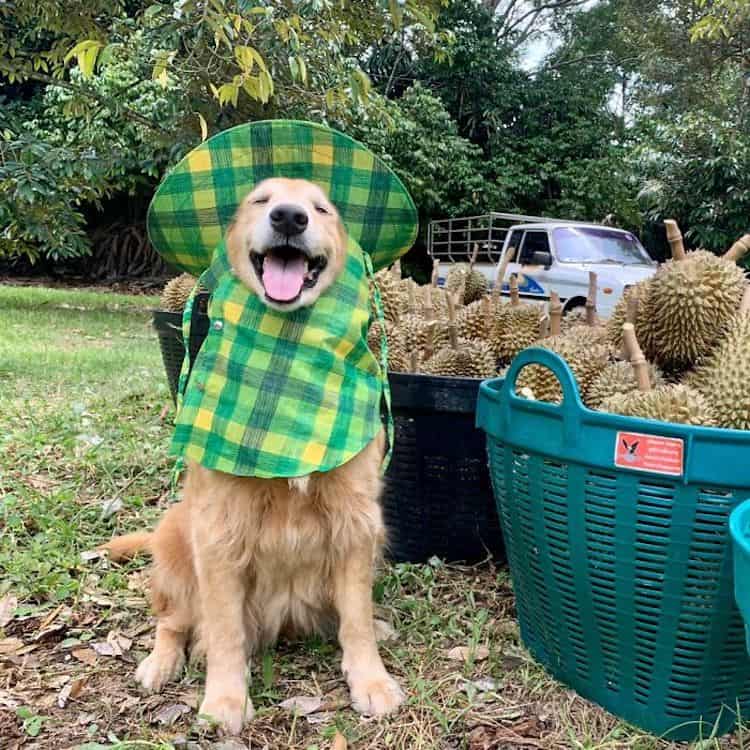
x: 428, y: 310
x: 396, y: 270
x: 591, y: 300
x: 429, y: 341
x: 515, y: 299
x: 555, y: 314
x: 488, y: 313
x: 674, y: 238
x: 544, y: 326
x: 412, y: 299
x: 413, y: 360
x: 473, y: 259
x: 435, y: 273
x: 635, y: 355
x: 497, y: 290
x: 452, y: 331
x: 739, y: 249
x: 745, y: 303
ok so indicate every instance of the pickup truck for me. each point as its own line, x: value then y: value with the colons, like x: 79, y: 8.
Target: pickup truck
x: 546, y: 255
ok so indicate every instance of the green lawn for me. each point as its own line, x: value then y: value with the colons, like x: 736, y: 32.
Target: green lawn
x: 85, y: 426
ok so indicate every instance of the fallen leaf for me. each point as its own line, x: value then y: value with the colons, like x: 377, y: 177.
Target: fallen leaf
x: 8, y: 606
x: 322, y: 717
x: 9, y: 646
x: 115, y: 645
x: 86, y: 655
x: 50, y: 618
x: 71, y: 691
x: 339, y: 742
x: 228, y: 745
x: 168, y: 715
x: 484, y: 684
x: 111, y: 506
x: 464, y: 653
x: 92, y: 554
x: 302, y: 704
x: 384, y: 632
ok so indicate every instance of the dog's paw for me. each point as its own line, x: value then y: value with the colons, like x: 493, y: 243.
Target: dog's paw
x: 231, y: 714
x: 376, y: 697
x: 155, y: 671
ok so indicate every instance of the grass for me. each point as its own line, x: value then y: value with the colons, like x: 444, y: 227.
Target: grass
x: 83, y: 454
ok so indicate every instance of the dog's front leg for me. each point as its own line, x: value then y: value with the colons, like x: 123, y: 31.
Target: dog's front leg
x: 374, y: 692
x: 222, y: 594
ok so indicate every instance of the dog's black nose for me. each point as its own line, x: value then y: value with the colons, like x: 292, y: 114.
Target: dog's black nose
x: 288, y: 219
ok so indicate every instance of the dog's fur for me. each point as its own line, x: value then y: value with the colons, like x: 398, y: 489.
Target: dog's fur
x: 241, y: 560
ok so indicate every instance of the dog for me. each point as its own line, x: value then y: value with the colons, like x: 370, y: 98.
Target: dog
x: 240, y: 561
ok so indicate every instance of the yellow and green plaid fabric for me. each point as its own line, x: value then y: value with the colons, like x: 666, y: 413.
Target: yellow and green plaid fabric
x: 194, y: 205
x: 281, y: 394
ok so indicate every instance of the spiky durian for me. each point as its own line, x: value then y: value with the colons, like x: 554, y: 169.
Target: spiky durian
x: 667, y: 403
x: 724, y: 376
x: 177, y: 291
x: 474, y: 284
x: 586, y: 335
x: 518, y: 331
x: 388, y: 286
x: 693, y: 297
x: 586, y: 362
x: 470, y: 359
x: 398, y: 359
x: 573, y: 318
x: 617, y: 379
x: 643, y: 315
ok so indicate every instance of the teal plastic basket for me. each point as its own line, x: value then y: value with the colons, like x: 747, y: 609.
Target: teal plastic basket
x: 617, y: 534
x: 739, y: 526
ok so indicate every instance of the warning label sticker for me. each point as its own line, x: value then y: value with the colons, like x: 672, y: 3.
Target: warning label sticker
x: 659, y: 455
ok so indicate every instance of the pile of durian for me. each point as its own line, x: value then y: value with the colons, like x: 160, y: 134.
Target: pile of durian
x: 676, y: 349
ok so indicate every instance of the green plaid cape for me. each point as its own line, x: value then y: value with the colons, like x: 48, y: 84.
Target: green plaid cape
x: 281, y: 394
x: 277, y: 394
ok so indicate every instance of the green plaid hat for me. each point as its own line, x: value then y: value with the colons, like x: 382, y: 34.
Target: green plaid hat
x: 194, y: 205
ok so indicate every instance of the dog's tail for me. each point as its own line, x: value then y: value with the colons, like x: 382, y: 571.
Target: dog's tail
x: 127, y: 546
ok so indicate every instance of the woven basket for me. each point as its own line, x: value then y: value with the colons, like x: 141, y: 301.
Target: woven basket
x: 621, y: 561
x: 438, y: 499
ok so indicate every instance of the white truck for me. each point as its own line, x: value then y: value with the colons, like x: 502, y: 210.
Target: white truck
x: 546, y: 254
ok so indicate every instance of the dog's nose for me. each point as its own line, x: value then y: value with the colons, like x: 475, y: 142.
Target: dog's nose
x: 288, y: 219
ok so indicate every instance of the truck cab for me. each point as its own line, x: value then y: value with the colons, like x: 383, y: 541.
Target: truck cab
x: 549, y: 255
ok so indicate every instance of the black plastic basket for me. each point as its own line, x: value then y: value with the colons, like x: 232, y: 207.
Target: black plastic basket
x: 438, y: 499
x: 168, y: 327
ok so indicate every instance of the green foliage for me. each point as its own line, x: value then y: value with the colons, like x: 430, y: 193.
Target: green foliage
x: 442, y: 170
x: 697, y: 170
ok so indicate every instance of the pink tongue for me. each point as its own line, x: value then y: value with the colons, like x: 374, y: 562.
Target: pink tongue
x: 283, y: 279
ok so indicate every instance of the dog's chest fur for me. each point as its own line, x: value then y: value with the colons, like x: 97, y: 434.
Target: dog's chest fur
x: 288, y: 538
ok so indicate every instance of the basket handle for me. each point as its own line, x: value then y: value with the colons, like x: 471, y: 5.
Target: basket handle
x: 571, y: 406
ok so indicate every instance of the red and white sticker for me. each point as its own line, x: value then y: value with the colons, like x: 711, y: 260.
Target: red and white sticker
x: 658, y: 455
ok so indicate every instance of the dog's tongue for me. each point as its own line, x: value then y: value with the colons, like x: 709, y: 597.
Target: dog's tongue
x: 283, y: 279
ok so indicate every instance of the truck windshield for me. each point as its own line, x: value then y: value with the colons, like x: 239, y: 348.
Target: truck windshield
x: 598, y: 245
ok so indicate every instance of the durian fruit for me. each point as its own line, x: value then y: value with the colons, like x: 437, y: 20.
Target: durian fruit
x: 675, y: 403
x: 576, y: 317
x: 398, y: 359
x: 388, y: 286
x: 586, y: 362
x: 617, y: 379
x: 477, y: 320
x: 520, y: 326
x: 464, y: 280
x: 176, y: 292
x: 641, y: 314
x: 464, y: 358
x: 724, y: 376
x: 693, y: 298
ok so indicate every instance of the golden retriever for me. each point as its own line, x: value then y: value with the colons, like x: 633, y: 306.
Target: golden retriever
x: 241, y: 560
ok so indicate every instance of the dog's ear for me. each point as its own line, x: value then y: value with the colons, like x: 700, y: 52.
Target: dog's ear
x: 234, y: 238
